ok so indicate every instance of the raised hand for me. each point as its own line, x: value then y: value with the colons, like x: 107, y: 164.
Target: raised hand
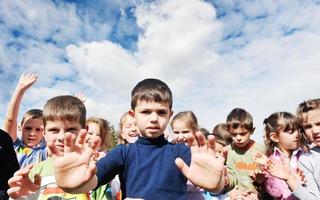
x: 206, y: 168
x: 280, y: 168
x: 81, y: 96
x: 26, y: 80
x: 75, y: 166
x: 21, y: 185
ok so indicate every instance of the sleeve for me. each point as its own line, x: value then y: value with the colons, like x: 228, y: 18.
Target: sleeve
x: 273, y: 186
x: 110, y: 165
x: 232, y: 174
x: 311, y: 190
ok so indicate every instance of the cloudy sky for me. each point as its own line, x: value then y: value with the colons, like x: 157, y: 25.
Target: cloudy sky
x: 215, y: 55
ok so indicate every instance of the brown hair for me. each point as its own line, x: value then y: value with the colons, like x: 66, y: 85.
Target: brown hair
x: 151, y: 90
x: 32, y: 114
x: 65, y: 108
x: 105, y: 131
x: 221, y: 134
x: 187, y: 116
x: 239, y: 117
x: 280, y: 121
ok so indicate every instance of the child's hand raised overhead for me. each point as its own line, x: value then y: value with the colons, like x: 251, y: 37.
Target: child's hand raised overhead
x: 206, y: 167
x: 74, y: 166
x: 26, y: 80
x: 21, y: 185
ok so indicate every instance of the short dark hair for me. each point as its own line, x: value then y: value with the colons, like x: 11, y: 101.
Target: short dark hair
x: 151, y: 90
x: 239, y: 117
x: 65, y: 107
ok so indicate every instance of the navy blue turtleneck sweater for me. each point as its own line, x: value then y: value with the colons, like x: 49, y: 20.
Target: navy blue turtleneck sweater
x: 146, y: 169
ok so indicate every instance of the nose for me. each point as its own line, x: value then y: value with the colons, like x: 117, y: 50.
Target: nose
x: 238, y: 138
x: 154, y: 117
x: 60, y: 136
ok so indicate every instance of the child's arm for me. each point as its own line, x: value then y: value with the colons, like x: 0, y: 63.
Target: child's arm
x: 74, y: 169
x: 10, y: 121
x: 21, y: 185
x: 206, y: 168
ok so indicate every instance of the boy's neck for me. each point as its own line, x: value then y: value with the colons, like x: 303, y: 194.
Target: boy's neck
x: 248, y: 145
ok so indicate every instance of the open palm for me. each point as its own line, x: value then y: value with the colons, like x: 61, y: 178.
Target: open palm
x: 74, y: 166
x: 206, y: 168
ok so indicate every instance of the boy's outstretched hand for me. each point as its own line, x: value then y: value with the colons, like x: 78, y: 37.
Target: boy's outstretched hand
x: 207, y: 167
x: 74, y: 167
x: 21, y: 185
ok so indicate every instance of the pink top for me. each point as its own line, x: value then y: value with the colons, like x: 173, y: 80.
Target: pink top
x: 276, y: 187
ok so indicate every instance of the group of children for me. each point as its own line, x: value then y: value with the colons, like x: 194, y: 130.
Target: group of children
x: 64, y: 155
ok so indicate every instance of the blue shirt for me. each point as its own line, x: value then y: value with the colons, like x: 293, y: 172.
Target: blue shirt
x: 146, y: 169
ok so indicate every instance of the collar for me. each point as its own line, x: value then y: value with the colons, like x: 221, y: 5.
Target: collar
x: 296, y: 153
x: 159, y: 141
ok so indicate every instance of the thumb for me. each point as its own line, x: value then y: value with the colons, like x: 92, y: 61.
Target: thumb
x: 37, y: 180
x: 182, y: 166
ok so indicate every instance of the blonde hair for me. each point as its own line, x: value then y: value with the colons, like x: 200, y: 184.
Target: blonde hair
x: 188, y: 117
x: 306, y: 106
x: 239, y: 117
x: 65, y: 108
x: 32, y: 114
x: 221, y: 134
x: 105, y: 132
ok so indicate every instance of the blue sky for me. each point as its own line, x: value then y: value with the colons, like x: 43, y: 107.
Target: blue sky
x: 215, y: 55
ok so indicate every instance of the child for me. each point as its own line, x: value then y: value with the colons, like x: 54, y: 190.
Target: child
x: 241, y: 151
x: 31, y: 148
x: 129, y: 131
x: 184, y: 127
x: 98, y: 127
x: 101, y: 128
x: 9, y: 163
x: 282, y: 141
x: 223, y: 139
x: 309, y: 119
x: 64, y: 117
x: 146, y: 167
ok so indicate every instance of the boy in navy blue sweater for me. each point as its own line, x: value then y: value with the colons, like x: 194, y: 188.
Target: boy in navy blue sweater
x: 151, y: 168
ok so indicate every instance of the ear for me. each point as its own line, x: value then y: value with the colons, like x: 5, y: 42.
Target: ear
x: 171, y: 113
x: 20, y: 128
x: 274, y: 137
x: 131, y: 112
x: 254, y: 128
x: 43, y: 131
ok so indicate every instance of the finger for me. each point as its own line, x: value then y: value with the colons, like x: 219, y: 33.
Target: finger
x: 37, y: 180
x: 95, y: 143
x: 68, y: 142
x: 13, y: 192
x: 91, y: 171
x: 211, y: 142
x: 182, y: 166
x: 81, y: 138
x: 201, y: 139
x: 53, y: 150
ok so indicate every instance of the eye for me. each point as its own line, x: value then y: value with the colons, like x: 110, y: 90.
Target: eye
x: 176, y: 132
x: 27, y: 128
x: 162, y: 112
x: 306, y: 127
x: 185, y: 132
x: 145, y: 112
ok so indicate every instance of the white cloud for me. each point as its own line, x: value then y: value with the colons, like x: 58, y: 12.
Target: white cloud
x: 267, y: 62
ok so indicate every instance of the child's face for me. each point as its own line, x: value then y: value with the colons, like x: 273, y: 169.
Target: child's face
x: 240, y: 136
x: 93, y: 131
x: 181, y: 131
x: 218, y: 149
x: 55, y: 132
x: 32, y: 132
x: 311, y: 125
x: 288, y: 140
x: 152, y: 118
x: 130, y: 130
